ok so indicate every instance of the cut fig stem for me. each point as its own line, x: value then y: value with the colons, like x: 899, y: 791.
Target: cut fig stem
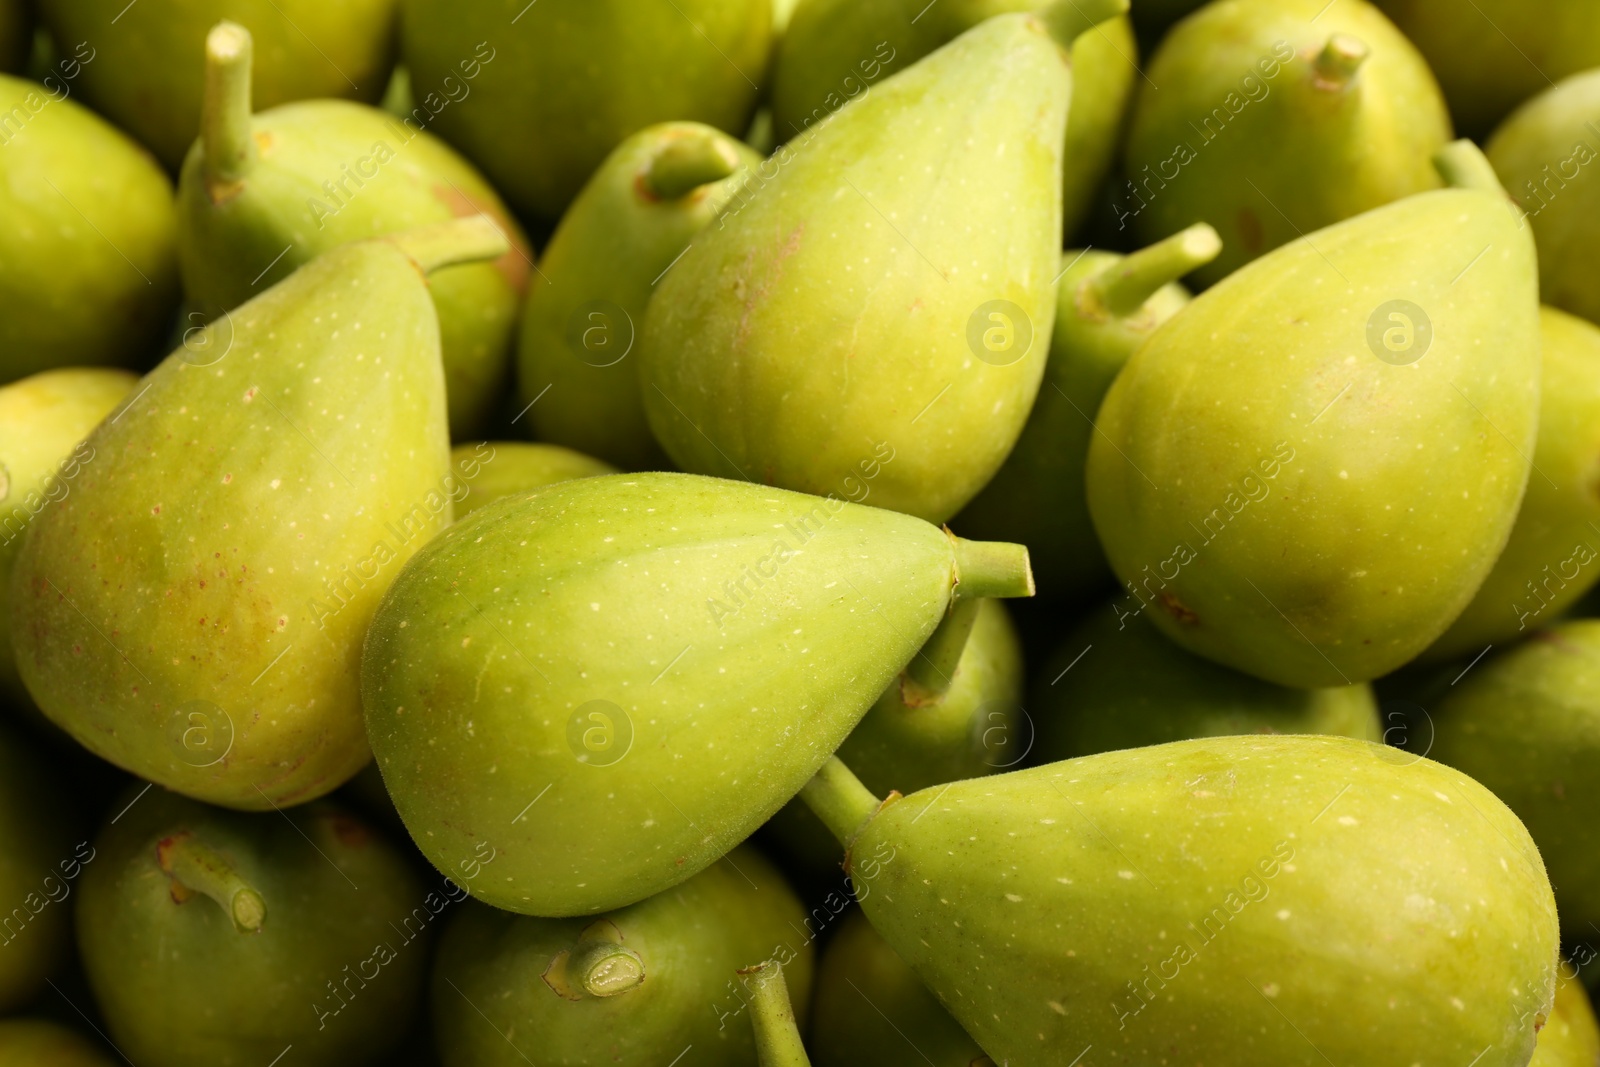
x: 197, y: 869
x: 226, y: 141
x: 604, y: 968
x: 687, y: 163
x: 837, y: 797
x: 1070, y: 19
x: 777, y: 1034
x: 1463, y: 165
x: 1336, y: 65
x: 930, y: 673
x: 1123, y: 287
x: 464, y: 240
x: 991, y: 569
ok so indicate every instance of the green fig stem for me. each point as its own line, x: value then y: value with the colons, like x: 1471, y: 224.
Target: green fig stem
x: 772, y: 1017
x: 196, y: 869
x: 1336, y: 65
x: 1067, y: 20
x: 465, y: 240
x: 1463, y: 165
x: 1124, y: 286
x: 991, y: 569
x: 837, y: 797
x: 604, y: 968
x: 933, y: 669
x: 225, y: 136
x: 686, y: 163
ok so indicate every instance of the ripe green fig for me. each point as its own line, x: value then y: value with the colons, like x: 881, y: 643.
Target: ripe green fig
x: 300, y: 928
x: 1541, y: 759
x: 32, y: 1042
x: 838, y: 49
x: 262, y: 195
x: 1309, y: 470
x: 635, y: 672
x: 892, y: 282
x: 1553, y: 555
x: 635, y: 986
x: 573, y: 80
x: 626, y: 229
x: 88, y: 263
x: 43, y: 422
x: 40, y: 860
x: 772, y: 1018
x: 1571, y: 1037
x: 1545, y: 154
x: 1205, y: 901
x: 1106, y: 306
x: 1491, y: 55
x: 1118, y: 683
x: 265, y: 483
x: 955, y: 711
x: 1274, y: 118
x: 144, y: 79
x: 869, y: 1007
x: 490, y: 470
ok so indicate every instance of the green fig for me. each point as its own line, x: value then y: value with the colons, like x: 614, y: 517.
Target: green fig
x: 491, y: 470
x: 16, y: 35
x: 838, y: 49
x: 88, y: 261
x: 43, y: 422
x: 35, y: 1042
x: 782, y: 12
x: 1207, y: 901
x: 143, y: 77
x: 1118, y: 683
x: 558, y: 86
x: 634, y: 986
x: 869, y: 1007
x: 955, y: 711
x: 772, y: 1018
x: 1106, y: 306
x: 1571, y: 1037
x: 40, y: 861
x: 265, y: 483
x: 1310, y: 469
x: 1545, y: 154
x: 891, y: 283
x: 635, y: 672
x: 626, y: 229
x: 1541, y: 759
x: 1273, y: 118
x: 1491, y: 55
x: 1550, y: 560
x: 262, y: 195
x: 218, y: 937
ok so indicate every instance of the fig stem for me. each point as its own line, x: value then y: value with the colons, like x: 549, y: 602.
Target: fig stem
x: 1068, y: 20
x: 1124, y: 286
x: 772, y: 1017
x: 686, y: 163
x: 837, y: 797
x: 464, y: 240
x: 605, y: 968
x: 991, y: 569
x: 1336, y: 65
x: 933, y: 669
x: 229, y: 150
x: 197, y: 869
x: 1463, y: 165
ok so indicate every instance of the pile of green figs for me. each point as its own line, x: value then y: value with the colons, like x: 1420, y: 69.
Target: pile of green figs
x: 760, y: 533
